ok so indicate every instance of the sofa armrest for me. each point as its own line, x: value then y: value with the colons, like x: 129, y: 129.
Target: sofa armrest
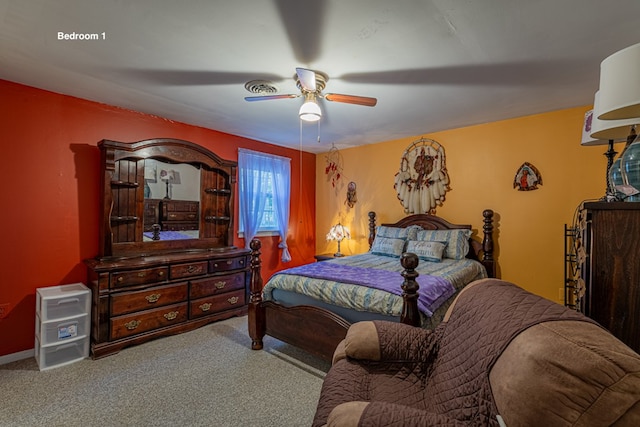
x: 382, y: 340
x: 355, y: 414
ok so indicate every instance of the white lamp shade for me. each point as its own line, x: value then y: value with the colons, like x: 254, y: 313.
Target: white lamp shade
x: 620, y: 85
x: 338, y: 232
x: 310, y: 111
x: 599, y: 132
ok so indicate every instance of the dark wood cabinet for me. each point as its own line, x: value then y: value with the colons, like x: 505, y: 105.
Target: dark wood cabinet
x: 151, y: 213
x: 186, y: 272
x: 177, y: 215
x: 610, y: 235
x: 141, y: 298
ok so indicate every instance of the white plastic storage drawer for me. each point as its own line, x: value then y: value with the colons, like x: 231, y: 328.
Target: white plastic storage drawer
x: 57, y: 331
x: 53, y: 356
x: 60, y: 302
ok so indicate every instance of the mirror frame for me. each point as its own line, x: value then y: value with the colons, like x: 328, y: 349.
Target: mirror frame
x: 167, y: 150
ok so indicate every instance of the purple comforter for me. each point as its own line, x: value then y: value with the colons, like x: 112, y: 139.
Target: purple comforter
x: 432, y: 293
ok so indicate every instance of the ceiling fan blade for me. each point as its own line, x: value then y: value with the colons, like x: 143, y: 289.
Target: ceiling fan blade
x: 307, y: 79
x: 268, y: 97
x: 351, y: 99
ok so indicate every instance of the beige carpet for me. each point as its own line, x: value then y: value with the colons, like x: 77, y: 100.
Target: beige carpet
x: 207, y: 377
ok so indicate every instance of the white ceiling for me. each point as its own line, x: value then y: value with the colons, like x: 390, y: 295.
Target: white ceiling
x: 432, y: 64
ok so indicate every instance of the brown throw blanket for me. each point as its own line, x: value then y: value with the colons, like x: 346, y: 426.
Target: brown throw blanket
x: 446, y: 382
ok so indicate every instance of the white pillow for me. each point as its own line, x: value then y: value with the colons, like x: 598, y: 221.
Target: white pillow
x: 426, y: 250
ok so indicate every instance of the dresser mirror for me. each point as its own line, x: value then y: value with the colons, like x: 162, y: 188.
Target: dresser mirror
x: 171, y: 201
x: 164, y: 195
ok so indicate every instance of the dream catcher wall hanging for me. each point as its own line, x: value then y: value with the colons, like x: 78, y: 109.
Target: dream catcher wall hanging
x: 333, y: 168
x: 422, y: 181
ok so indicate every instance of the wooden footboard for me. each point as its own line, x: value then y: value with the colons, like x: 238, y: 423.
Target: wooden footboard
x: 315, y: 330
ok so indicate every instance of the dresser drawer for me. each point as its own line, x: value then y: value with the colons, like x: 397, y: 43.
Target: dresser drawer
x: 216, y: 284
x: 214, y: 304
x: 197, y: 268
x: 143, y: 321
x: 139, y: 277
x: 128, y: 302
x: 182, y: 216
x: 227, y: 264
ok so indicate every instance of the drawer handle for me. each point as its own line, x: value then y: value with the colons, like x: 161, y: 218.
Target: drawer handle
x: 205, y: 307
x: 120, y: 279
x: 160, y: 273
x: 141, y: 274
x: 241, y: 262
x: 152, y: 298
x: 233, y: 300
x: 171, y: 315
x: 229, y: 262
x: 194, y: 269
x: 220, y: 284
x: 132, y: 325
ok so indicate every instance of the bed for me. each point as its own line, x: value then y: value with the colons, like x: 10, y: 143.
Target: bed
x: 312, y: 306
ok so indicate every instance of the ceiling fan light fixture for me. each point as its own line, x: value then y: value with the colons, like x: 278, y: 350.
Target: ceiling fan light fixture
x: 310, y: 110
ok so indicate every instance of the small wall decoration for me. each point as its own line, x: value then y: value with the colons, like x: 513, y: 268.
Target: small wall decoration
x: 527, y: 178
x: 422, y: 181
x: 333, y: 170
x: 351, y: 194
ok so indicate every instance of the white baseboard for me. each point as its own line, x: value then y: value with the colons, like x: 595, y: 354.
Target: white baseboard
x: 17, y: 356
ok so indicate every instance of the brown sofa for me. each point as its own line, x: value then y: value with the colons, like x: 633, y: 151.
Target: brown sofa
x: 501, y: 355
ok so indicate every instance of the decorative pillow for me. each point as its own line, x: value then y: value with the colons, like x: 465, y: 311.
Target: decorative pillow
x: 426, y: 250
x: 387, y: 246
x: 457, y: 241
x: 408, y: 233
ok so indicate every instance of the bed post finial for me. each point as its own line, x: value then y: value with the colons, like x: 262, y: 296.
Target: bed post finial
x: 372, y: 228
x: 256, y: 317
x: 487, y: 243
x: 410, y: 314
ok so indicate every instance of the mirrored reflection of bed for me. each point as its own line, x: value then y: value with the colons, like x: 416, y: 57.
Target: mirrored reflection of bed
x: 312, y: 306
x: 148, y: 236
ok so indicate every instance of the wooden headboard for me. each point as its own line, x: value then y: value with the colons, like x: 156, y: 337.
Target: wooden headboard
x: 480, y: 251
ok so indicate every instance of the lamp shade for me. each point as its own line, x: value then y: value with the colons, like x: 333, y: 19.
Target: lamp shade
x: 620, y: 85
x: 599, y: 132
x: 338, y: 232
x: 167, y: 175
x: 310, y: 110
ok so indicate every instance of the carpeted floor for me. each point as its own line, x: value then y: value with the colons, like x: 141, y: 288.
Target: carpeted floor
x: 207, y: 377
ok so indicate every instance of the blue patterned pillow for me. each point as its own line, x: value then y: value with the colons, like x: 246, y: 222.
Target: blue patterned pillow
x: 426, y: 250
x: 457, y: 241
x: 408, y: 233
x: 387, y: 246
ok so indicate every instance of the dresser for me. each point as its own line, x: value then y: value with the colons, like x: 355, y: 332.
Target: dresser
x: 189, y: 273
x: 608, y: 282
x: 141, y: 298
x: 177, y: 215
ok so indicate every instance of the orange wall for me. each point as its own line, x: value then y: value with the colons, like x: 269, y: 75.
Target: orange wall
x: 50, y: 193
x: 482, y: 161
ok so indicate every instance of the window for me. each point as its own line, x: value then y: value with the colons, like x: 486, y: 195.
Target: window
x: 264, y: 193
x: 268, y: 222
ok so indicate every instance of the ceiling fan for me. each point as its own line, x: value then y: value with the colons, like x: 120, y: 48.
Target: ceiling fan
x: 311, y: 83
